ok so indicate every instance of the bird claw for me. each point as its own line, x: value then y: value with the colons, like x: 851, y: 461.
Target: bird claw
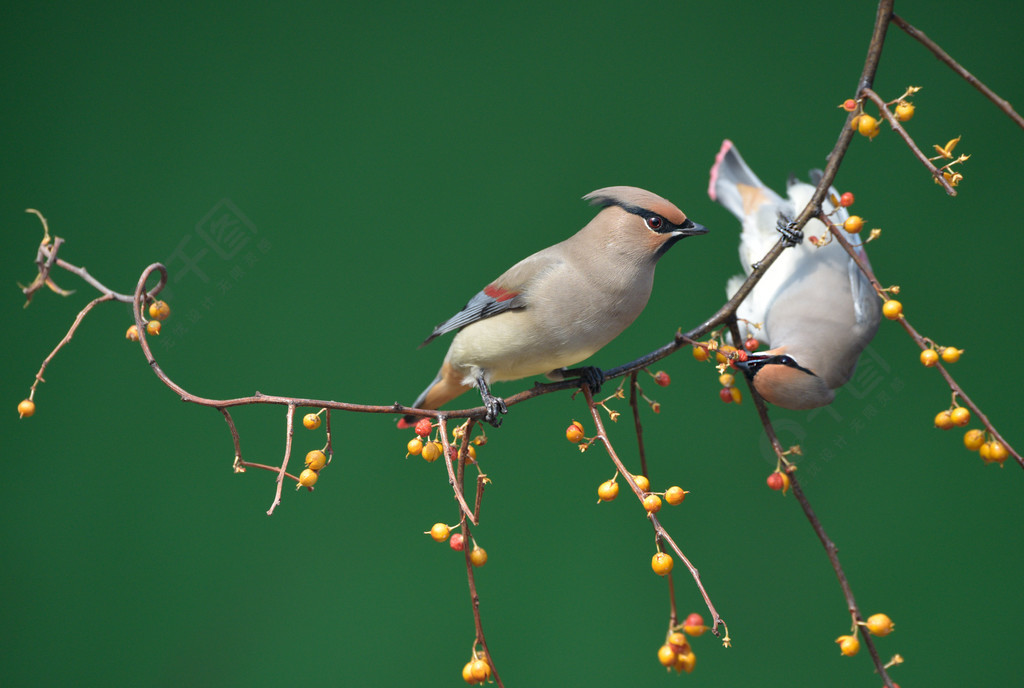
x: 495, y: 408
x: 791, y: 236
x: 591, y: 376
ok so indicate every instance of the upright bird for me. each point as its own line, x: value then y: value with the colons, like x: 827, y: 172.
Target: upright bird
x: 562, y: 304
x: 818, y: 309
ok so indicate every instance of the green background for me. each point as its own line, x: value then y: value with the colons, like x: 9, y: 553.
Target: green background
x: 391, y: 160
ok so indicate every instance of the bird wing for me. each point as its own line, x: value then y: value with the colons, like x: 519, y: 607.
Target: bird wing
x: 508, y: 292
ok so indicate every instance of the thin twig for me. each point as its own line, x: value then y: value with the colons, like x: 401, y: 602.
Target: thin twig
x: 65, y: 340
x: 956, y: 67
x: 453, y: 480
x: 895, y: 124
x: 290, y: 418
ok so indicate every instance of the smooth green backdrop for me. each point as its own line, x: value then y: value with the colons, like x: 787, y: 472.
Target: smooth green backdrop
x: 384, y: 161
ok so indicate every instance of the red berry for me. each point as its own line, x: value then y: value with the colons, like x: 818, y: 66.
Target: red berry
x: 751, y: 344
x: 694, y: 624
x: 726, y: 394
x: 846, y: 200
x: 849, y: 105
x: 662, y: 378
x: 457, y: 542
x: 423, y: 427
x: 778, y: 481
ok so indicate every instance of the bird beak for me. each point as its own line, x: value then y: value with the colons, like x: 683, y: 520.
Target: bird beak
x: 691, y: 228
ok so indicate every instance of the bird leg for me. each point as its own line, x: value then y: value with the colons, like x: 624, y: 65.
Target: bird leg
x: 790, y: 235
x: 591, y: 376
x: 494, y: 405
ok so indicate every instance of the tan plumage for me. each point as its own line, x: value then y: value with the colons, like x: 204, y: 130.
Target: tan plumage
x: 817, y: 308
x: 562, y: 304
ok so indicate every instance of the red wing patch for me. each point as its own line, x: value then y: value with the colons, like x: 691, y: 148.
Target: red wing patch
x: 499, y: 294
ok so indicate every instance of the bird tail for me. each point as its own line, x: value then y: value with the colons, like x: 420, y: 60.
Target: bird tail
x: 445, y: 387
x: 733, y: 183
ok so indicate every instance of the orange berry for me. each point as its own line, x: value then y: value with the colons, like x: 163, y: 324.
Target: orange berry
x: 666, y: 655
x: 778, y: 481
x: 736, y: 394
x: 685, y: 662
x: 880, y: 624
x: 973, y: 439
x: 951, y: 354
x: 904, y: 111
x: 26, y: 408
x: 467, y: 674
x: 574, y: 433
x: 726, y: 380
x: 478, y: 556
x: 132, y: 334
x: 480, y: 669
x: 853, y: 224
x: 153, y: 328
x: 677, y: 641
x: 608, y: 490
x: 652, y: 503
x: 993, y: 452
x: 414, y: 447
x: 849, y: 105
x: 311, y: 421
x: 867, y: 126
x: 315, y: 460
x: 694, y: 625
x: 430, y: 452
x: 700, y: 353
x: 661, y: 564
x: 960, y: 416
x: 892, y: 309
x: 440, y: 532
x: 642, y: 482
x: 751, y: 344
x: 158, y: 310
x: 929, y: 357
x: 308, y: 477
x: 848, y: 645
x: 724, y: 352
x: 675, y: 495
x: 846, y: 200
x: 943, y: 421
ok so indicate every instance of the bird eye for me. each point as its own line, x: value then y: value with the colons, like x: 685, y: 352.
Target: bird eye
x: 655, y: 222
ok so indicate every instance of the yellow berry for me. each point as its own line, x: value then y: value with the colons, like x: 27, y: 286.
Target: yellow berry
x: 158, y: 310
x: 973, y: 439
x: 929, y: 358
x: 960, y: 416
x: 904, y: 111
x: 951, y: 354
x: 892, y: 309
x: 700, y: 353
x: 478, y: 557
x: 853, y: 224
x: 652, y: 503
x: 481, y: 670
x: 642, y: 482
x: 993, y: 452
x: 678, y: 642
x: 726, y: 380
x: 132, y: 334
x: 723, y: 353
x: 440, y: 532
x: 661, y: 564
x: 685, y: 661
x: 880, y: 624
x: 675, y: 495
x: 943, y: 421
x: 608, y: 490
x: 867, y: 126
x: 848, y: 645
x: 26, y: 408
x: 574, y: 433
x: 470, y: 454
x: 315, y: 460
x: 736, y: 394
x: 311, y: 421
x: 430, y: 452
x: 308, y: 477
x: 467, y: 674
x: 666, y: 655
x: 153, y: 328
x: 414, y: 447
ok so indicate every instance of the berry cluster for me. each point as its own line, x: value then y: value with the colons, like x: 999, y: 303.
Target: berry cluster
x: 726, y: 357
x: 476, y: 671
x: 430, y: 450
x: 676, y: 653
x: 158, y: 311
x: 316, y: 459
x: 877, y: 624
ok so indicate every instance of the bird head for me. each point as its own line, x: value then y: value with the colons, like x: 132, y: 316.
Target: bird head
x: 781, y: 380
x: 644, y: 219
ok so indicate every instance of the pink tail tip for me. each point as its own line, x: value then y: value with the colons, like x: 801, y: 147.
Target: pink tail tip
x: 403, y: 424
x: 726, y: 145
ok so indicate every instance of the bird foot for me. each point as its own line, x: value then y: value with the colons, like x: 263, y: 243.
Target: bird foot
x: 791, y: 236
x: 591, y: 376
x: 495, y: 405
